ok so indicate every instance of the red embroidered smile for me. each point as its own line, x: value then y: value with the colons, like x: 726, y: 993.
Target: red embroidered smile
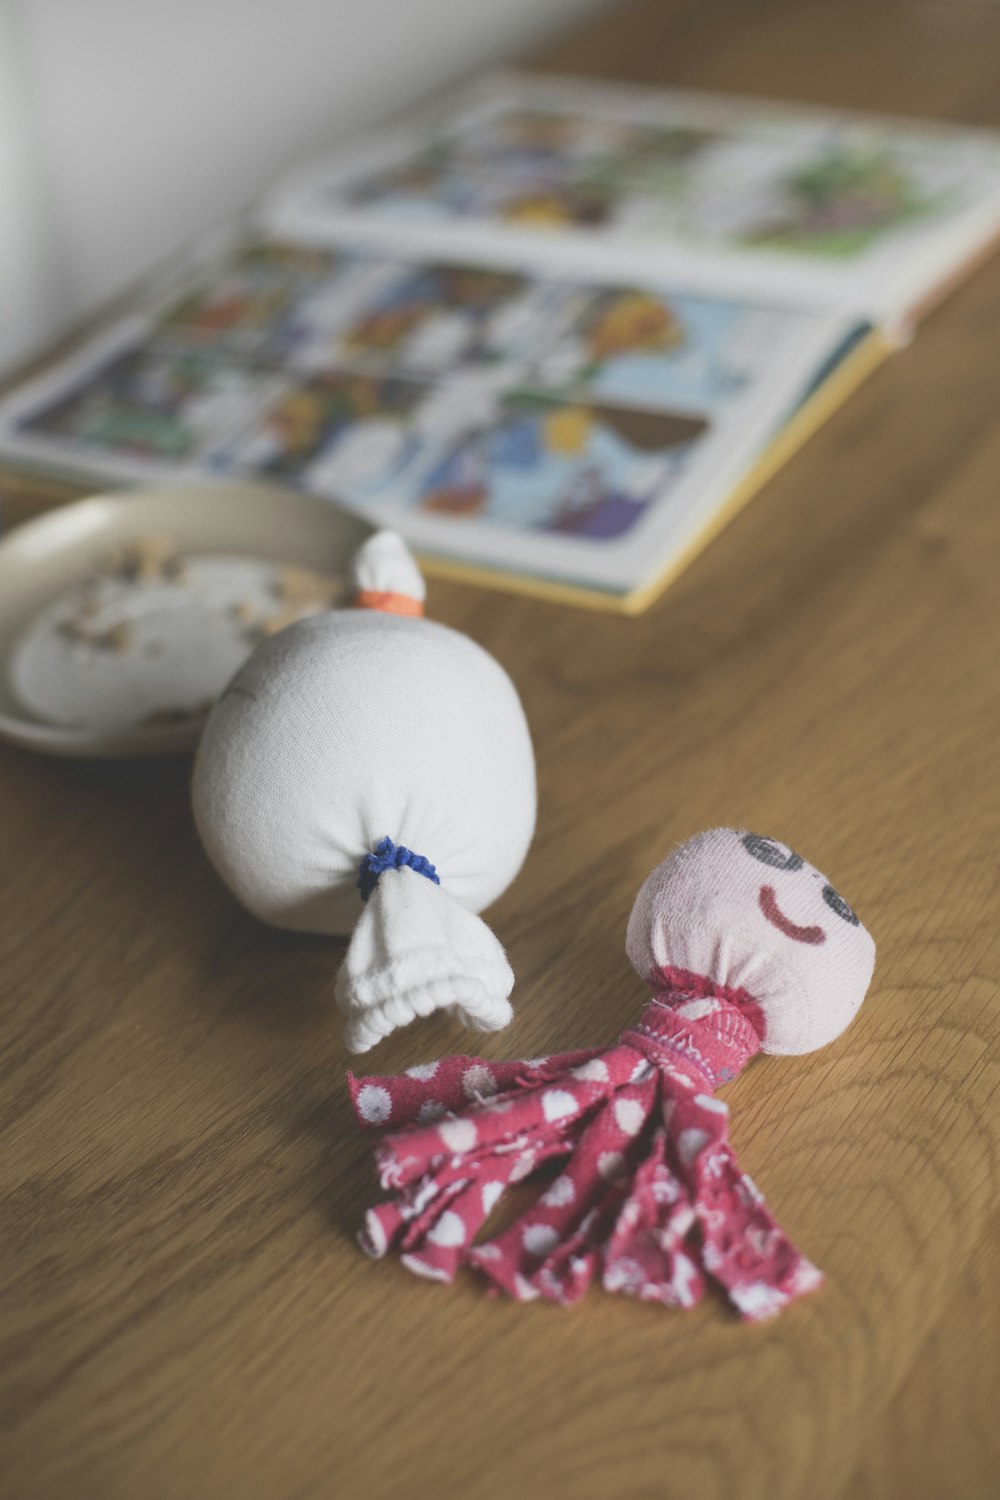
x: 777, y: 918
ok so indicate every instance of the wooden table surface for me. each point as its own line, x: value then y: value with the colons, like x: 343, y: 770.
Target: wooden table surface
x: 185, y: 1315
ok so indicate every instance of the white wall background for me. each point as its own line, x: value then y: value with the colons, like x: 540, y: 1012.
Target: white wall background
x: 127, y: 126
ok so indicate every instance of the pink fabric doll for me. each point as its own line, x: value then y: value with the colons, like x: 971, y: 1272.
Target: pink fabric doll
x: 747, y: 948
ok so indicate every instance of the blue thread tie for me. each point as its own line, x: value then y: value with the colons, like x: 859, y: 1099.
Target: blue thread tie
x: 389, y: 856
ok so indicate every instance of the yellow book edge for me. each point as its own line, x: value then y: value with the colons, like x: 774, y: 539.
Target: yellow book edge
x: 853, y: 369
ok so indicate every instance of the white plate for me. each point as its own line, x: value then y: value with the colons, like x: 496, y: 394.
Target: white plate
x: 48, y: 558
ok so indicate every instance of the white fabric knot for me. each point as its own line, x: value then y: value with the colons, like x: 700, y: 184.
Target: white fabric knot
x: 416, y: 950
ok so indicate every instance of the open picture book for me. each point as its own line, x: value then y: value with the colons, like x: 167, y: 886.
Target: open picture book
x: 555, y: 333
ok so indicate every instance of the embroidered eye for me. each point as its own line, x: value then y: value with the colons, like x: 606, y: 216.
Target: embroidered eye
x: 839, y: 905
x: 770, y: 853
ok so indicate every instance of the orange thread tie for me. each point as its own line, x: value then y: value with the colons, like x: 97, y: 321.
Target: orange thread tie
x: 388, y: 602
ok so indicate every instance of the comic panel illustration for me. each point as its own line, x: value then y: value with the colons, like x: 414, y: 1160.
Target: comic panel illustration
x: 253, y: 303
x: 428, y: 319
x: 340, y: 432
x: 587, y: 469
x: 636, y: 344
x: 153, y: 405
x: 531, y: 167
x: 824, y: 189
x: 831, y: 194
x: 838, y: 202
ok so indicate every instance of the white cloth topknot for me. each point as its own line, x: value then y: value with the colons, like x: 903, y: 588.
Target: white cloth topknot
x: 385, y: 564
x: 349, y: 728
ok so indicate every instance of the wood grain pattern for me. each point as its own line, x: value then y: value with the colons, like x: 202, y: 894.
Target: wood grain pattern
x: 185, y: 1314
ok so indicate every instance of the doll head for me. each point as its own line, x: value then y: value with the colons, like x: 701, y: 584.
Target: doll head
x: 347, y: 728
x: 751, y: 915
x: 363, y: 731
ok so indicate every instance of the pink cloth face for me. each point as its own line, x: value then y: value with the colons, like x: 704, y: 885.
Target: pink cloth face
x: 754, y: 916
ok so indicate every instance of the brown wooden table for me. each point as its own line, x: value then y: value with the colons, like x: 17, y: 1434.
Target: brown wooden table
x: 185, y: 1315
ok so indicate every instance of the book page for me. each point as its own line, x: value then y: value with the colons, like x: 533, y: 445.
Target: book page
x: 565, y: 427
x: 816, y: 207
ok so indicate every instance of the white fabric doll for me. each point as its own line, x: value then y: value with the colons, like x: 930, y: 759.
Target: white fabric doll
x: 371, y: 772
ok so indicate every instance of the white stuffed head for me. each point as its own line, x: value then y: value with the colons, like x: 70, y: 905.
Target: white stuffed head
x: 355, y: 727
x: 750, y: 914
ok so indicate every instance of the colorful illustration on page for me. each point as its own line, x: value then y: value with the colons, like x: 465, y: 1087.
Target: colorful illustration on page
x: 535, y: 168
x: 761, y: 180
x: 590, y: 470
x: 637, y: 345
x: 250, y: 304
x: 339, y: 432
x: 156, y: 405
x: 428, y: 319
x: 839, y: 202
